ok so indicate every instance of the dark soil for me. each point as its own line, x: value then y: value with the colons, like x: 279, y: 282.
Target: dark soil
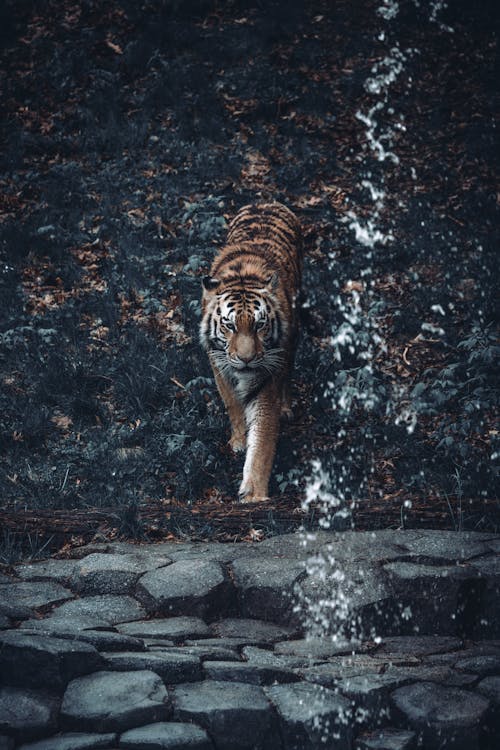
x: 132, y: 131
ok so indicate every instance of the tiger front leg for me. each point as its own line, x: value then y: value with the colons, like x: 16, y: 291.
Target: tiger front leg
x: 262, y: 434
x: 237, y: 441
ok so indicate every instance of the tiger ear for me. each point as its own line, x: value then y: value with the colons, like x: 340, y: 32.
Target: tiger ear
x: 209, y: 283
x: 272, y: 281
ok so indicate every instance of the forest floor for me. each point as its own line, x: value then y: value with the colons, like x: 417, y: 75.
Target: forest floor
x: 131, y: 134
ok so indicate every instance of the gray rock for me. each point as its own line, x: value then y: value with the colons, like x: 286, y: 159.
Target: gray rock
x: 59, y: 571
x: 266, y: 587
x: 114, y: 701
x: 171, y: 667
x: 370, y: 694
x: 442, y: 716
x: 7, y: 579
x: 214, y: 551
x: 5, y: 622
x: 318, y: 648
x: 105, y: 608
x: 38, y: 660
x: 58, y: 623
x: 446, y: 546
x: 173, y: 628
x: 488, y: 612
x: 187, y: 587
x: 483, y: 665
x: 27, y: 714
x: 6, y: 743
x: 211, y: 653
x: 113, y: 573
x: 264, y: 657
x: 490, y: 687
x: 34, y: 595
x: 367, y: 605
x: 233, y: 643
x: 330, y: 674
x: 72, y: 741
x: 311, y: 714
x: 236, y: 715
x: 431, y: 595
x: 257, y: 630
x: 161, y: 643
x: 387, y: 739
x: 460, y: 679
x: 102, y: 640
x: 13, y: 610
x: 173, y: 735
x: 398, y: 646
x: 254, y: 674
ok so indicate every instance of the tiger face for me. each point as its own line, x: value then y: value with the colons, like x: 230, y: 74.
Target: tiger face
x: 243, y: 331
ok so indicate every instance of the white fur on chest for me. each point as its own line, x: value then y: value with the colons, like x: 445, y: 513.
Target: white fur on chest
x: 245, y: 382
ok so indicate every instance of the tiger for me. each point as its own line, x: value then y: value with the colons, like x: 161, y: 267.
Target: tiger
x: 249, y: 329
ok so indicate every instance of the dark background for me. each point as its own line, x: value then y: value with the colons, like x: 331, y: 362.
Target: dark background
x: 131, y: 132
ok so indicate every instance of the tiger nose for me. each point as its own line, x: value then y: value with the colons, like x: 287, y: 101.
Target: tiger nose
x: 246, y: 358
x: 246, y: 349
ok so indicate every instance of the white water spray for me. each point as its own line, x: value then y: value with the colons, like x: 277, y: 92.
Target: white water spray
x: 325, y: 600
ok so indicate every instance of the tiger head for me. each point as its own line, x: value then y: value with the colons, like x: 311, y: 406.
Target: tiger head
x: 242, y: 328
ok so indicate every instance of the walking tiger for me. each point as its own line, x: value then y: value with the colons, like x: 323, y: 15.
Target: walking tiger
x: 249, y: 329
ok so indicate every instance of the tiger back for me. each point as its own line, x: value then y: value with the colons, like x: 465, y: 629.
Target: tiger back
x: 249, y: 329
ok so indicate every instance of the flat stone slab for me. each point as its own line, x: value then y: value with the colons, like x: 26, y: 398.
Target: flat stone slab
x: 256, y: 655
x: 171, y: 667
x: 172, y: 735
x: 187, y: 587
x: 446, y: 546
x: 210, y: 653
x: 172, y: 628
x: 40, y: 661
x: 319, y: 648
x: 387, y: 739
x: 72, y: 741
x: 113, y: 573
x: 13, y: 611
x: 233, y: 643
x: 490, y: 688
x: 104, y: 608
x: 27, y: 714
x: 442, y: 716
x: 310, y: 713
x: 236, y: 715
x: 266, y: 587
x: 34, y: 595
x: 422, y: 645
x: 330, y: 673
x: 57, y: 623
x: 259, y: 630
x: 59, y: 571
x: 114, y: 701
x: 254, y: 674
x: 482, y: 665
x: 102, y: 640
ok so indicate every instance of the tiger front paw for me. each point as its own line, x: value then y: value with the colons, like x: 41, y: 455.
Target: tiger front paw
x: 249, y: 494
x: 237, y: 443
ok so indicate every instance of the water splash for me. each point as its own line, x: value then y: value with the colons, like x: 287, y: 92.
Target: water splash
x: 325, y: 600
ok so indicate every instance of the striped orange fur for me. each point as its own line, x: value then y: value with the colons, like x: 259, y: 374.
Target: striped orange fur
x: 249, y: 329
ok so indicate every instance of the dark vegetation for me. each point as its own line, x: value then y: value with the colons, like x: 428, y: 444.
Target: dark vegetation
x: 131, y: 132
